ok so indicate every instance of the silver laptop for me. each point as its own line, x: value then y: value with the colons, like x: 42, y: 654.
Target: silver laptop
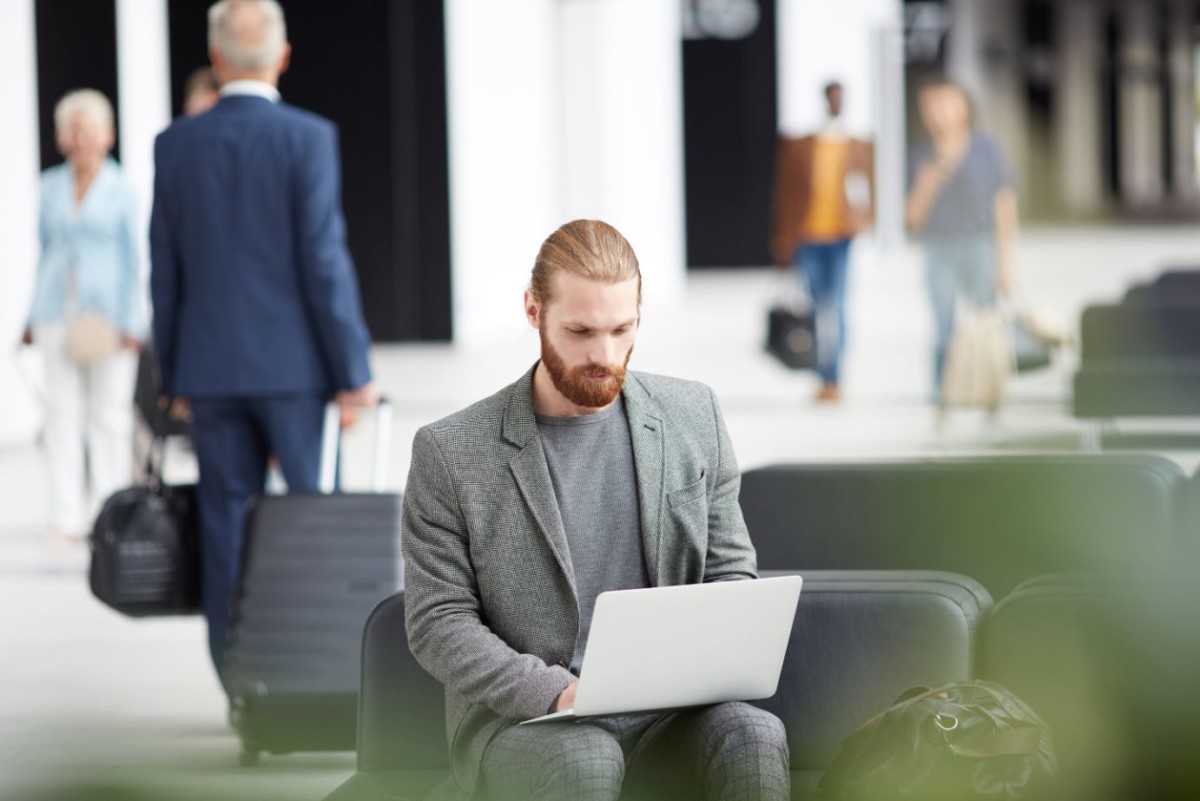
x: 690, y: 645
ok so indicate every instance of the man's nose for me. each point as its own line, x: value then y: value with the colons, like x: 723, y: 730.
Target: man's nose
x: 605, y: 352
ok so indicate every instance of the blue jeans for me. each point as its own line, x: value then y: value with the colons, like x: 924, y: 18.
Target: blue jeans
x: 965, y: 268
x: 825, y: 266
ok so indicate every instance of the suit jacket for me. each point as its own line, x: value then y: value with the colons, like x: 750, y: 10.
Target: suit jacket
x: 492, y: 611
x: 793, y: 192
x: 254, y: 291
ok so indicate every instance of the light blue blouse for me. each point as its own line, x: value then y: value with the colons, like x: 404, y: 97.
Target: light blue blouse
x: 98, y: 241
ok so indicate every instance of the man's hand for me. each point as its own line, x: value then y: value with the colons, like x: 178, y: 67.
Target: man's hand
x: 131, y: 343
x: 176, y: 408
x: 27, y: 336
x: 566, y: 699
x: 351, y: 400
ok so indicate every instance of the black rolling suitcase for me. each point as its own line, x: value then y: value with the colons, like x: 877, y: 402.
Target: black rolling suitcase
x: 314, y: 567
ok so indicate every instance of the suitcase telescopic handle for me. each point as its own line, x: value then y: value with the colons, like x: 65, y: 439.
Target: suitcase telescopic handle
x: 331, y: 446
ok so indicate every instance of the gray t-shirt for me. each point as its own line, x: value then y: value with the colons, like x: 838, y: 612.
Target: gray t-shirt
x: 595, y: 481
x: 965, y: 206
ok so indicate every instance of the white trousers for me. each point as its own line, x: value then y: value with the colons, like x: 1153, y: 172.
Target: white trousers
x: 88, y: 410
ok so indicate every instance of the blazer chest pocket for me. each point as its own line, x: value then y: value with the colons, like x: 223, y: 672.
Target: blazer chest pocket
x: 687, y: 522
x: 677, y: 499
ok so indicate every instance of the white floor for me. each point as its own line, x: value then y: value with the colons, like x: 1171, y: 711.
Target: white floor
x: 91, y: 700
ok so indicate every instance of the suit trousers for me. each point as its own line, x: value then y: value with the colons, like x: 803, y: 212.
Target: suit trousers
x: 233, y: 438
x: 89, y: 410
x: 724, y: 752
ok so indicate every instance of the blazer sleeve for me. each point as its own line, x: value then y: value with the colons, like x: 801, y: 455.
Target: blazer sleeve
x: 730, y: 553
x: 446, y: 632
x: 326, y: 272
x: 166, y: 275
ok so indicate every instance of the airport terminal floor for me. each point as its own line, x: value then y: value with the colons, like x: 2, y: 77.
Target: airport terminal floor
x: 91, y: 700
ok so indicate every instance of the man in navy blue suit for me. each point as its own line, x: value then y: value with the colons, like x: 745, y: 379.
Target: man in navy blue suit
x: 257, y: 317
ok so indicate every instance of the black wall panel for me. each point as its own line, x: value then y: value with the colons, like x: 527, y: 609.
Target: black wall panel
x: 376, y: 68
x: 76, y: 49
x: 729, y: 151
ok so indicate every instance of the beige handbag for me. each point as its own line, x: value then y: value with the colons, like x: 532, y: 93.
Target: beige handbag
x: 91, y: 338
x: 978, y: 360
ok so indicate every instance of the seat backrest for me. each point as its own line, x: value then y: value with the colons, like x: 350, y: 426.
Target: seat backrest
x: 401, y: 710
x: 1139, y: 331
x: 1000, y: 520
x: 1179, y: 279
x: 860, y: 639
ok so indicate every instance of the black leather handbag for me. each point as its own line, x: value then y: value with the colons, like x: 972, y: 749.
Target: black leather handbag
x: 792, y: 327
x: 146, y: 547
x: 974, y: 740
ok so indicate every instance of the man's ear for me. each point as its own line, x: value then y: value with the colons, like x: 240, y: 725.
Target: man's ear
x: 218, y: 66
x: 533, y: 310
x: 285, y: 60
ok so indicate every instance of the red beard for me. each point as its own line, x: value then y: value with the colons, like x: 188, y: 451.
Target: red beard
x: 579, y: 384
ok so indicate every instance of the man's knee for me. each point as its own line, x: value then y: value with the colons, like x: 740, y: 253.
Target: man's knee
x: 589, y: 762
x: 737, y: 725
x: 555, y: 761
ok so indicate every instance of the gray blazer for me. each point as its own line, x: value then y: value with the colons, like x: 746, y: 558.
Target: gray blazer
x: 492, y: 611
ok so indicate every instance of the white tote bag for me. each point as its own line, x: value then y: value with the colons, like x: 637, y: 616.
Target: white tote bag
x: 979, y: 359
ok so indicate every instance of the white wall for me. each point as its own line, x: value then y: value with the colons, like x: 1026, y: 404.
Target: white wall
x: 820, y: 41
x: 559, y: 109
x: 19, y: 162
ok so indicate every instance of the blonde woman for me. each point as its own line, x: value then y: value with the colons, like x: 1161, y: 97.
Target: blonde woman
x: 88, y: 316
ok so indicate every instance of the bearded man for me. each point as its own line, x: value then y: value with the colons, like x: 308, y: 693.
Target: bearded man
x: 579, y: 478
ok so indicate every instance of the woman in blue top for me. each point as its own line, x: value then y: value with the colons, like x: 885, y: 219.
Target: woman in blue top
x: 88, y: 313
x: 962, y: 202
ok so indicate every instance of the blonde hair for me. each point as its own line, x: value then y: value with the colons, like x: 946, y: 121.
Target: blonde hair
x: 247, y: 44
x: 591, y: 249
x: 86, y: 102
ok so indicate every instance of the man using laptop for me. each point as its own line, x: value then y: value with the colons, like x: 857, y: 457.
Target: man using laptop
x: 521, y: 509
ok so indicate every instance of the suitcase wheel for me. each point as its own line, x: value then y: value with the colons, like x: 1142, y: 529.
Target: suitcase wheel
x: 248, y: 758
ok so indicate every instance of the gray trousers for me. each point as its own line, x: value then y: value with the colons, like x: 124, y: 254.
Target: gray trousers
x: 725, y: 752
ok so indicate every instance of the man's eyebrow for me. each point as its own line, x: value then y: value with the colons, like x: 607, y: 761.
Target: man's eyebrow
x: 586, y: 327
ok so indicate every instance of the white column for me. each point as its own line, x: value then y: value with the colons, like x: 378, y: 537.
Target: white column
x: 621, y: 80
x: 500, y: 65
x: 143, y: 81
x: 1140, y: 106
x: 1078, y: 99
x: 1000, y: 96
x: 859, y: 44
x: 1183, y: 101
x: 19, y: 160
x: 559, y: 109
x: 964, y: 40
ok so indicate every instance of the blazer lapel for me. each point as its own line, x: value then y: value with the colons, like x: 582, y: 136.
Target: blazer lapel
x: 646, y: 433
x: 532, y: 475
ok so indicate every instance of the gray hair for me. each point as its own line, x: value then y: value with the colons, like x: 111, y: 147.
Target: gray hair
x: 86, y: 102
x: 246, y: 43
